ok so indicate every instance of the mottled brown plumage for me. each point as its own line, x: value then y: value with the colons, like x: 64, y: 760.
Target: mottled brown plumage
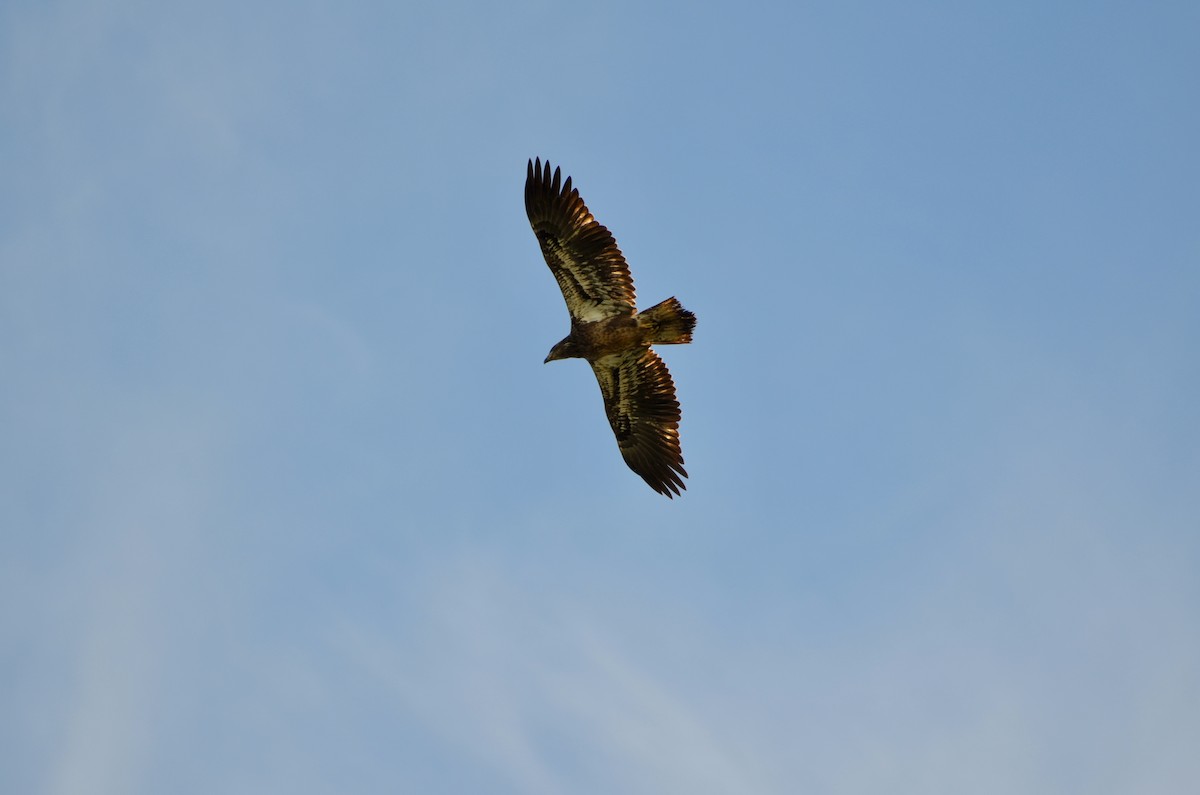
x: 608, y: 331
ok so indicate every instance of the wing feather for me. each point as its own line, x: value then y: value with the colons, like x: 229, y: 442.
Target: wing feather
x: 639, y: 398
x: 582, y: 253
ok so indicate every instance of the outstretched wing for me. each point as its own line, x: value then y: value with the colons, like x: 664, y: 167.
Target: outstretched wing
x: 639, y: 397
x: 581, y: 252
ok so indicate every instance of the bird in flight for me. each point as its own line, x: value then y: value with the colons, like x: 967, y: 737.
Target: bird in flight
x: 607, y: 329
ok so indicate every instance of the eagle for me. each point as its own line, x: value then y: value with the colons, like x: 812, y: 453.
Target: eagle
x: 607, y: 329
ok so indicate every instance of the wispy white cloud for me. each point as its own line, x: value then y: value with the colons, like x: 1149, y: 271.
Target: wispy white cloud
x: 129, y: 560
x: 1048, y: 645
x: 547, y: 695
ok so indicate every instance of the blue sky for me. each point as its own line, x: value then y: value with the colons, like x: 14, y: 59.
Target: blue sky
x: 290, y: 503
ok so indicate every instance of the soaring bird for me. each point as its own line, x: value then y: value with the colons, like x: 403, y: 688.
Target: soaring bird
x: 607, y: 329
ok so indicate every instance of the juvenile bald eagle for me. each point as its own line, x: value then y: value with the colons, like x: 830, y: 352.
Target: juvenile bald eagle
x: 607, y: 329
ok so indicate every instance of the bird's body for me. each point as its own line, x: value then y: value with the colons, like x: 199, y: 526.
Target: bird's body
x: 597, y: 338
x: 666, y: 324
x: 608, y: 331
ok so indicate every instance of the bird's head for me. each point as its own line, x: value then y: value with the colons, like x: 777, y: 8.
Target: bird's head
x: 565, y: 349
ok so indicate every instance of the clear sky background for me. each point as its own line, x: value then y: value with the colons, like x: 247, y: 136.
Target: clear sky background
x: 289, y: 502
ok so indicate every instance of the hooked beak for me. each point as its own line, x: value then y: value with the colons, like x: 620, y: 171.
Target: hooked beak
x: 559, y: 351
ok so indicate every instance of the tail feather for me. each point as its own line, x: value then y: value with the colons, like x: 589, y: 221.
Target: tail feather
x: 667, y: 323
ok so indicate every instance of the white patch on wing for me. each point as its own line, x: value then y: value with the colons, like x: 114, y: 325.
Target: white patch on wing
x: 592, y: 312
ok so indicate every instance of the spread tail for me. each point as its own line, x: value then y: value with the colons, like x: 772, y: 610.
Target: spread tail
x: 667, y: 323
